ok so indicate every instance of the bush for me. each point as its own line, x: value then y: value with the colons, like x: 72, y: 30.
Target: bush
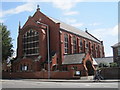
x: 103, y: 65
x: 113, y: 64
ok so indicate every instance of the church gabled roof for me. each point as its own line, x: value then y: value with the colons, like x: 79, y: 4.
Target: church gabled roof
x: 74, y: 30
x: 76, y: 59
x: 66, y: 27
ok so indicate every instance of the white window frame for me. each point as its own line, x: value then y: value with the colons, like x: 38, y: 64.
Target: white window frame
x: 24, y: 68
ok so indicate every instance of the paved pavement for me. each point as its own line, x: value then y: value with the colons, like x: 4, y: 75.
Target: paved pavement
x: 68, y: 80
x: 64, y: 80
x: 58, y: 83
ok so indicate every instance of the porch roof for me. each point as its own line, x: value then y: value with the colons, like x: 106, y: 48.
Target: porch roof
x: 76, y: 59
x: 73, y: 58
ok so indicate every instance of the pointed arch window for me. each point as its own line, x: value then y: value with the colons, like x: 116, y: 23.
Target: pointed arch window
x: 31, y: 43
x: 81, y: 45
x: 65, y: 43
x: 74, y: 44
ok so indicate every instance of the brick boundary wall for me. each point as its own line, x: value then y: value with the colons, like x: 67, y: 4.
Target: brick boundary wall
x: 111, y: 73
x: 107, y: 73
x: 38, y: 75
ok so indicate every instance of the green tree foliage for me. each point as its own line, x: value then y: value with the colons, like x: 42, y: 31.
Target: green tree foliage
x: 7, y: 45
x: 113, y: 64
x: 103, y: 65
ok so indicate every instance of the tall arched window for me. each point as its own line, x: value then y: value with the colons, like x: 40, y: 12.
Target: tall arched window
x: 89, y: 47
x: 66, y: 43
x: 31, y: 43
x: 74, y: 45
x: 86, y: 46
x: 81, y: 45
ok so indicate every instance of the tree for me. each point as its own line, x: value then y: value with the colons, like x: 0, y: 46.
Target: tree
x: 103, y: 65
x: 7, y: 45
x: 114, y: 64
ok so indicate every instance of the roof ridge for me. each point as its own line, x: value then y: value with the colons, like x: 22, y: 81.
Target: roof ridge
x: 64, y: 23
x: 92, y: 36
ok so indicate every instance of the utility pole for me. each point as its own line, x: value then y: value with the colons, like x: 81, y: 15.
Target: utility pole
x: 47, y: 47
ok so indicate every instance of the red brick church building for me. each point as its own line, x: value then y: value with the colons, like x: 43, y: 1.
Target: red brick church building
x: 44, y: 42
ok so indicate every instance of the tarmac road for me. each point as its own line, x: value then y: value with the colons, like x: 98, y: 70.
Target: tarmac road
x: 34, y: 83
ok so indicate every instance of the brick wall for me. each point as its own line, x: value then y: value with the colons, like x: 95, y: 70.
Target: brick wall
x: 35, y: 75
x: 96, y: 49
x: 111, y: 73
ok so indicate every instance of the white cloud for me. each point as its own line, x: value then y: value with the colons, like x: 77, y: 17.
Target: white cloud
x: 114, y: 30
x: 109, y: 36
x: 22, y: 8
x: 64, y: 5
x: 61, y: 0
x: 77, y: 24
x: 70, y: 20
x: 105, y: 32
x: 1, y: 20
x: 73, y: 22
x: 1, y: 13
x: 71, y: 13
x: 109, y: 53
x: 95, y: 24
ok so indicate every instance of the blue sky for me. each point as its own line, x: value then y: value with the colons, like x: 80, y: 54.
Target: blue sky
x: 100, y: 18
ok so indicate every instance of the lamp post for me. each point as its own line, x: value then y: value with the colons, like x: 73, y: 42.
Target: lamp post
x: 47, y: 46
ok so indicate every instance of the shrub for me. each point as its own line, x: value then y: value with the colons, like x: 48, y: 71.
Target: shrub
x: 103, y: 65
x: 113, y: 64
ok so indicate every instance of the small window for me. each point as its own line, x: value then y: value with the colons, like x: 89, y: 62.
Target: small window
x: 65, y: 68
x: 75, y: 67
x: 31, y: 67
x: 24, y: 68
x: 21, y: 67
x: 96, y: 48
x: 25, y: 34
x: 86, y: 44
x: 92, y: 46
x: 80, y: 43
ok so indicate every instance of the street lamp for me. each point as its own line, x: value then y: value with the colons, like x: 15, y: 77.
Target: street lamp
x: 47, y: 46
